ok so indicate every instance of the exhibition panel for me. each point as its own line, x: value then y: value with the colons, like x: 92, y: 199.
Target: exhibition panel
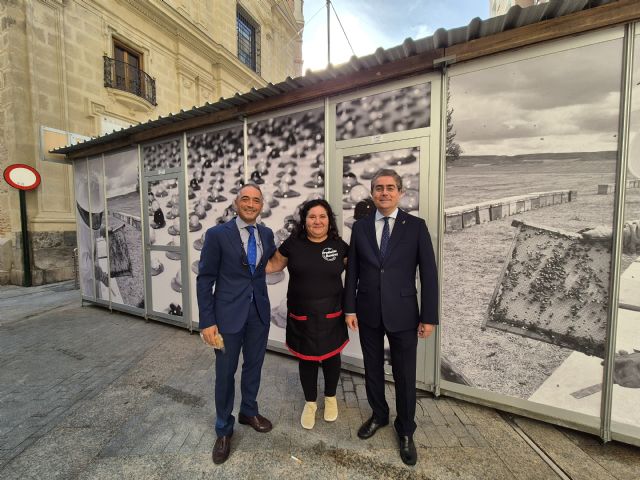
x: 214, y: 172
x: 83, y: 224
x: 164, y: 226
x: 625, y: 417
x: 525, y: 293
x: 285, y: 158
x: 124, y: 228
x: 356, y: 202
x: 95, y: 172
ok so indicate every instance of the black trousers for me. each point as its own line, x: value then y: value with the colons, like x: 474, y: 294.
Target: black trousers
x: 404, y: 347
x: 309, y: 376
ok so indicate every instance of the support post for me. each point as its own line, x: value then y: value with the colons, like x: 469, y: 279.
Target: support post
x: 26, y: 259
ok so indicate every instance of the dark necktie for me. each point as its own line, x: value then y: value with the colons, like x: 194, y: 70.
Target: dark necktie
x: 384, y: 241
x: 252, y: 250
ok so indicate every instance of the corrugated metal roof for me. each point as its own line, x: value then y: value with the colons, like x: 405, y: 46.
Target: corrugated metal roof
x: 516, y: 17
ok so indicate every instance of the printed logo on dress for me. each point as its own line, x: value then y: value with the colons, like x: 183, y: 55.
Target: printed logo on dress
x: 329, y: 254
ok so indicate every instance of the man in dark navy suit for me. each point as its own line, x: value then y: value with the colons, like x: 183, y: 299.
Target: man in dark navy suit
x: 381, y: 299
x: 233, y: 301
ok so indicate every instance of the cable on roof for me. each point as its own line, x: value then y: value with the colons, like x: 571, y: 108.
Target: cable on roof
x: 343, y: 31
x: 297, y: 34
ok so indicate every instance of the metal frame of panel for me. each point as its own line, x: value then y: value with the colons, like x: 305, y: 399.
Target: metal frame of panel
x: 614, y: 430
x: 146, y: 177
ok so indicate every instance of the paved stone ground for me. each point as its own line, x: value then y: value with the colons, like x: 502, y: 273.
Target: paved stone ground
x: 85, y: 393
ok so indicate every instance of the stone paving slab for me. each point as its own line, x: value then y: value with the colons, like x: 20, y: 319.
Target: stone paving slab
x: 19, y: 303
x: 575, y: 462
x: 85, y: 393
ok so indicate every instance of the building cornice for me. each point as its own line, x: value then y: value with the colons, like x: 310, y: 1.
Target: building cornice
x: 284, y: 11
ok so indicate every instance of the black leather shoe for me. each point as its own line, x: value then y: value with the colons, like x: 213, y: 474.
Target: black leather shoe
x: 258, y: 423
x: 221, y: 449
x: 408, y: 452
x: 370, y: 427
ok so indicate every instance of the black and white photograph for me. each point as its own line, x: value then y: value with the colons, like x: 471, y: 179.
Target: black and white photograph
x: 163, y: 209
x: 162, y: 201
x: 166, y: 282
x: 83, y: 221
x: 377, y: 114
x: 215, y: 161
x: 286, y: 159
x: 358, y: 170
x: 162, y: 156
x: 386, y: 112
x: 126, y: 264
x: 98, y: 228
x: 532, y: 148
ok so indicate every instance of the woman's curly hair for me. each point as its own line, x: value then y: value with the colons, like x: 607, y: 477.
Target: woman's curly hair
x: 300, y: 230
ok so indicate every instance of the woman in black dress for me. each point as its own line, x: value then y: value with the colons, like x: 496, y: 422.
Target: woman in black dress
x: 315, y: 256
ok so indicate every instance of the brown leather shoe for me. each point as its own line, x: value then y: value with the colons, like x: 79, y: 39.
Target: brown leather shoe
x: 221, y: 449
x: 258, y: 423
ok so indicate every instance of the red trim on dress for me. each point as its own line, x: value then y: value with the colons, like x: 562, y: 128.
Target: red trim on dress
x: 333, y: 315
x: 298, y: 317
x: 320, y: 357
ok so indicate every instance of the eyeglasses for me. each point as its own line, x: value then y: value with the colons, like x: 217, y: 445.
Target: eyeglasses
x: 388, y: 188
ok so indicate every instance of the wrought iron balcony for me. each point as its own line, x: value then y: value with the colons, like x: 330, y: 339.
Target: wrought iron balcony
x: 126, y: 77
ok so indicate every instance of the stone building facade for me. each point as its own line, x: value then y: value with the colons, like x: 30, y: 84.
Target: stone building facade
x: 90, y: 66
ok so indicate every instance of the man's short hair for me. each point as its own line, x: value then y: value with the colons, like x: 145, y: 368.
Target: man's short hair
x: 387, y: 172
x: 239, y: 194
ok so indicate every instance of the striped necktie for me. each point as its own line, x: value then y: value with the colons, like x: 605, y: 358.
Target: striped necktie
x: 384, y: 241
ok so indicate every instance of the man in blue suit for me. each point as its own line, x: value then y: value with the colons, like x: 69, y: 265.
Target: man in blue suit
x: 233, y: 301
x: 381, y: 299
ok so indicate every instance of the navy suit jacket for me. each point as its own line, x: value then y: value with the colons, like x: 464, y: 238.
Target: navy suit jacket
x: 377, y: 289
x: 223, y: 265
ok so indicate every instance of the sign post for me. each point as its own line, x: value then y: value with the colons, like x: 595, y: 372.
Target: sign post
x: 23, y: 178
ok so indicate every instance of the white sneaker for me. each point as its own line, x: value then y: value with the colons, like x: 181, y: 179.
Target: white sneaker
x: 308, y: 418
x: 330, y: 409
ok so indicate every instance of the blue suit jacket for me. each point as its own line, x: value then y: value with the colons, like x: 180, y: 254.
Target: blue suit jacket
x: 223, y: 265
x: 377, y: 289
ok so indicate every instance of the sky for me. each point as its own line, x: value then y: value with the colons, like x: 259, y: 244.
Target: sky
x: 378, y: 23
x: 122, y: 176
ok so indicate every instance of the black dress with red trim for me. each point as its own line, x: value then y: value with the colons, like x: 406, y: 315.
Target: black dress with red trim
x: 316, y: 329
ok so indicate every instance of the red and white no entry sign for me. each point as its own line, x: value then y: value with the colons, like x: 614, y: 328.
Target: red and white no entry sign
x: 22, y: 177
